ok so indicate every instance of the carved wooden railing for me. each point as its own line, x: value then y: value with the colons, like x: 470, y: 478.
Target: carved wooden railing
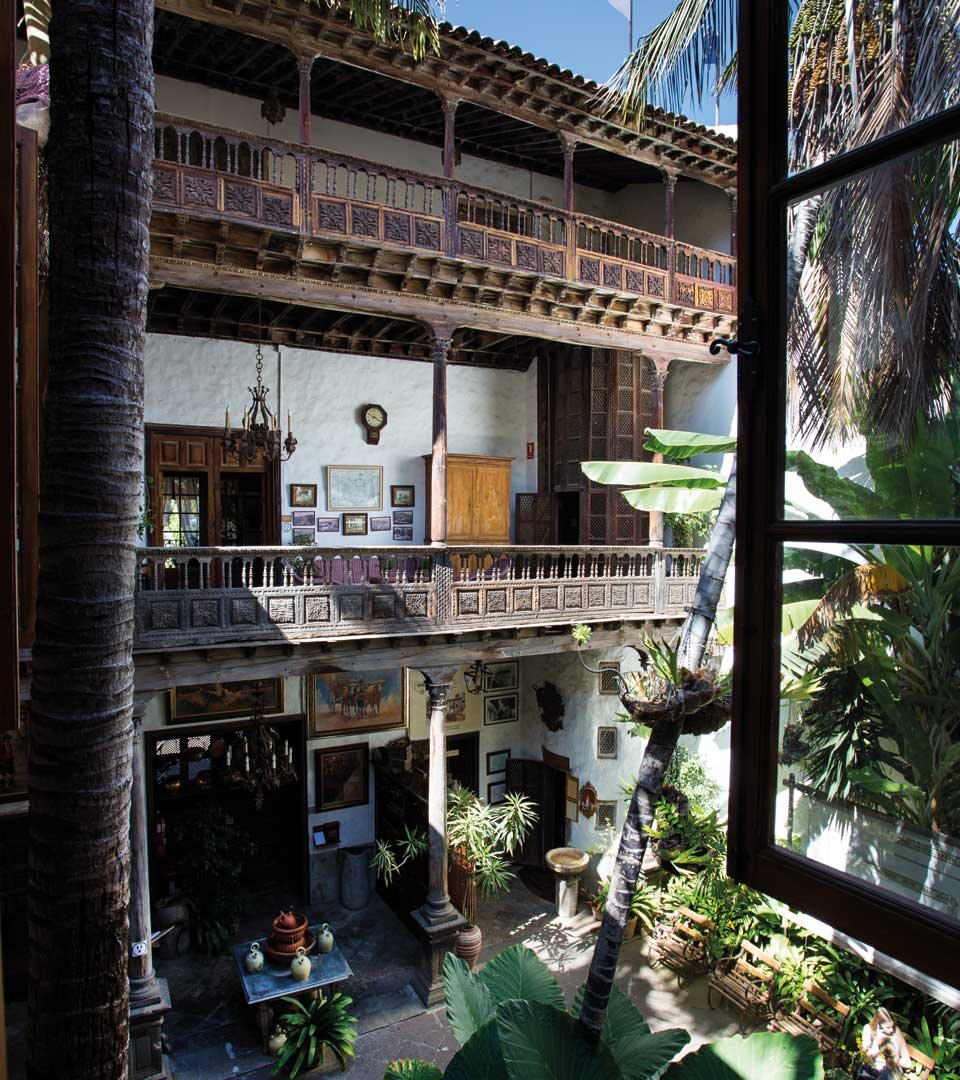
x: 205, y: 596
x: 230, y: 174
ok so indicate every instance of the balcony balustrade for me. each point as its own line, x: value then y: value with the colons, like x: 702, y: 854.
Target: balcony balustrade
x: 208, y: 596
x: 312, y: 192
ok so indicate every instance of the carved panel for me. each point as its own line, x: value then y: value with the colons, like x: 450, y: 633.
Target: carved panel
x: 619, y: 596
x: 612, y: 275
x: 200, y: 190
x: 552, y: 262
x: 165, y: 616
x: 427, y: 234
x: 676, y: 594
x: 204, y: 613
x: 317, y: 609
x: 635, y: 280
x: 725, y: 300
x: 164, y: 183
x: 331, y: 216
x: 642, y: 594
x: 523, y: 599
x: 471, y: 242
x: 705, y: 296
x: 239, y: 198
x: 589, y: 270
x: 351, y: 606
x: 384, y: 606
x: 497, y: 601
x: 549, y: 598
x: 499, y: 249
x: 527, y: 256
x: 655, y: 285
x: 396, y: 227
x: 365, y: 222
x: 282, y: 610
x: 277, y: 210
x: 573, y: 596
x: 243, y: 612
x: 468, y: 602
x: 596, y: 596
x: 685, y: 294
x: 415, y: 605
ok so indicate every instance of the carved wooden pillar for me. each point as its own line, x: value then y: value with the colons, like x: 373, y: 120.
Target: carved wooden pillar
x: 568, y: 145
x: 449, y: 134
x: 440, y: 352
x: 669, y: 186
x: 659, y: 385
x: 305, y: 69
x: 438, y: 919
x: 732, y: 196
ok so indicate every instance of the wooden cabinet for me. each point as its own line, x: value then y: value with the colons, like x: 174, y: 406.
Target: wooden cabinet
x: 478, y: 499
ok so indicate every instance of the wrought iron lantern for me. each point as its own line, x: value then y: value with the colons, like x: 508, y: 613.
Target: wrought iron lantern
x: 260, y: 432
x: 474, y: 677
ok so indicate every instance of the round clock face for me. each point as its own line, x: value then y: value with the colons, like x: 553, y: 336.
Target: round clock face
x: 374, y: 416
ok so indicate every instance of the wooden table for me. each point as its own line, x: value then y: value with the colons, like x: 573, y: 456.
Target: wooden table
x: 275, y: 980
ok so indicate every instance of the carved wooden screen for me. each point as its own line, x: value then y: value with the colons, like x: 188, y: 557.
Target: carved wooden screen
x: 567, y: 376
x: 535, y: 518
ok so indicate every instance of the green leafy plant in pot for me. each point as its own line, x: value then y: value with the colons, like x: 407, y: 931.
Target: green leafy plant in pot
x: 317, y: 1032
x: 644, y: 908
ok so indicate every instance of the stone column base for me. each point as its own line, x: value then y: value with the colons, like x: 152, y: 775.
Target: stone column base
x: 147, y: 1061
x: 437, y: 939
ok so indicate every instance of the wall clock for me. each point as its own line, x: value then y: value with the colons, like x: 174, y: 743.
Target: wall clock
x: 374, y: 419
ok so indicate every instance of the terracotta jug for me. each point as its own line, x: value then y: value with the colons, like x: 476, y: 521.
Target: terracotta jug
x: 300, y: 966
x: 286, y: 921
x: 254, y: 959
x: 324, y: 939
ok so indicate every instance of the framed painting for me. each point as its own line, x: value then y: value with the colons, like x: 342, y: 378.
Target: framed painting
x: 500, y: 676
x: 328, y: 525
x: 220, y: 701
x: 496, y: 790
x: 303, y: 494
x: 352, y: 701
x: 342, y: 776
x: 497, y: 761
x: 304, y: 519
x: 501, y: 709
x: 418, y: 704
x: 304, y: 537
x: 354, y: 487
x: 404, y: 532
x: 354, y: 524
x: 380, y: 524
x: 403, y: 495
x: 403, y: 517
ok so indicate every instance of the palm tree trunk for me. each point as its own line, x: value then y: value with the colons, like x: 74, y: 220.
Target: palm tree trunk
x: 664, y: 736
x: 100, y: 154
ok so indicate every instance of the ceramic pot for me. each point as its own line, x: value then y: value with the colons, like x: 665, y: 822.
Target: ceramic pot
x: 469, y: 943
x: 630, y: 929
x: 276, y: 1040
x: 300, y: 966
x: 355, y: 878
x: 254, y: 959
x: 324, y: 939
x: 289, y: 928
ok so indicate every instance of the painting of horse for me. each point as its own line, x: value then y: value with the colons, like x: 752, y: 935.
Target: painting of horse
x: 350, y: 701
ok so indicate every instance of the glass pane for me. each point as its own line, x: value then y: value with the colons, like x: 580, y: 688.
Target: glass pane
x: 873, y: 344
x: 853, y: 82
x: 869, y: 733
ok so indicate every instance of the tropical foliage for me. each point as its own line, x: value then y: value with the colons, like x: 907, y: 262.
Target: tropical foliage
x: 322, y: 1024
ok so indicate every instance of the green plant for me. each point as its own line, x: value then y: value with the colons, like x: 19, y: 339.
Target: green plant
x: 686, y: 773
x: 644, y: 905
x: 686, y: 841
x: 387, y: 863
x: 322, y: 1023
x: 690, y: 529
x: 937, y: 1044
x: 796, y: 967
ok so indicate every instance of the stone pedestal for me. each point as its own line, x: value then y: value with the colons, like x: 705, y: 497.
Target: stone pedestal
x: 147, y: 1061
x: 436, y: 941
x: 567, y: 864
x: 568, y: 897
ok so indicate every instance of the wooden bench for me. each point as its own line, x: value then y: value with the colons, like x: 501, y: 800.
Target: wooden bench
x: 682, y: 944
x: 816, y: 1013
x: 744, y: 981
x: 922, y: 1065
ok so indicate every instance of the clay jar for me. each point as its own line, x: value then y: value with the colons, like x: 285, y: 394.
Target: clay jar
x: 300, y: 966
x: 276, y: 1040
x: 324, y: 939
x: 254, y: 959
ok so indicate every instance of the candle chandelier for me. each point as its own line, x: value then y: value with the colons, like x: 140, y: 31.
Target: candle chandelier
x: 265, y: 760
x: 260, y: 432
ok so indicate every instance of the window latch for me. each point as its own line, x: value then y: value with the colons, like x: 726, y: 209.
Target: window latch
x: 746, y: 349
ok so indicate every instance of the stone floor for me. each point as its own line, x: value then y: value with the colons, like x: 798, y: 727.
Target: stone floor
x: 212, y: 1035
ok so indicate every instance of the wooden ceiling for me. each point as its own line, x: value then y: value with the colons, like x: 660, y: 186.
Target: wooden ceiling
x: 225, y: 59
x: 194, y: 313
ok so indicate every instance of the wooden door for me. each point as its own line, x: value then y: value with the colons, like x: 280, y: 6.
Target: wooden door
x: 546, y: 786
x: 461, y: 500
x: 492, y: 513
x: 463, y: 761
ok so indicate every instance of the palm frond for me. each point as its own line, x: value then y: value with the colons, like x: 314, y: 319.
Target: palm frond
x: 863, y: 585
x: 411, y: 24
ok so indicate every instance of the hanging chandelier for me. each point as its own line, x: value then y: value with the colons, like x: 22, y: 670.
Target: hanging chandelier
x: 265, y: 760
x: 260, y: 432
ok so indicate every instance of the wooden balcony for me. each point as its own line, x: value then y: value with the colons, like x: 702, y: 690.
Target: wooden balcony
x: 200, y: 597
x: 226, y: 201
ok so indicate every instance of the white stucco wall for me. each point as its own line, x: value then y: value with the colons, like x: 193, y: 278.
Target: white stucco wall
x: 190, y: 381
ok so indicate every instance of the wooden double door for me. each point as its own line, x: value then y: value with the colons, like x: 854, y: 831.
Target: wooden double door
x: 478, y: 499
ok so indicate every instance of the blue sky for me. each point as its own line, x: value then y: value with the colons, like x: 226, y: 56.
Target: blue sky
x: 588, y: 36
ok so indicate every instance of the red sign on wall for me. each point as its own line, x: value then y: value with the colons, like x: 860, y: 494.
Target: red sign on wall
x: 530, y: 451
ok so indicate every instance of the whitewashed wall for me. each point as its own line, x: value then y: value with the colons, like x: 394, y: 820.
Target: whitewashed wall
x: 191, y: 380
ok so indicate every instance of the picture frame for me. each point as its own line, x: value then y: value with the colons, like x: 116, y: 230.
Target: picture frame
x: 403, y: 495
x: 355, y: 524
x: 403, y: 517
x: 352, y: 702
x: 303, y: 495
x: 341, y: 776
x: 501, y: 709
x: 304, y: 537
x: 354, y: 487
x: 501, y: 675
x: 380, y: 524
x: 222, y: 701
x: 403, y: 533
x: 418, y: 704
x: 496, y: 790
x: 328, y: 524
x: 497, y: 761
x: 304, y: 519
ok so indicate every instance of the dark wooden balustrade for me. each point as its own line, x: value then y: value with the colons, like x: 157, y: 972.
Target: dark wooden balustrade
x: 228, y: 174
x: 206, y: 596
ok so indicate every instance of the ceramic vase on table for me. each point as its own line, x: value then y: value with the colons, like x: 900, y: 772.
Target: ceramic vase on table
x: 324, y: 939
x: 300, y: 966
x: 254, y: 959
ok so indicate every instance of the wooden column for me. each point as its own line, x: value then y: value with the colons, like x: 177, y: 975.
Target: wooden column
x: 438, y: 919
x: 669, y: 186
x: 449, y: 131
x: 732, y: 196
x: 305, y: 69
x: 568, y: 144
x: 440, y: 352
x: 659, y: 385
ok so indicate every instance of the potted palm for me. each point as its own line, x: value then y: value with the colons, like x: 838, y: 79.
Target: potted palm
x: 319, y: 1036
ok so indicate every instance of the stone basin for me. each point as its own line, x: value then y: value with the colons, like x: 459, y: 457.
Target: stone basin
x: 567, y: 864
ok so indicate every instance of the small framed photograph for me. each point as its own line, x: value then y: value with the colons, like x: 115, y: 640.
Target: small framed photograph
x: 496, y: 792
x: 503, y: 675
x: 354, y: 524
x: 403, y: 517
x: 304, y: 537
x: 403, y: 495
x: 342, y: 775
x: 354, y: 487
x: 303, y: 494
x: 328, y: 525
x: 501, y: 709
x: 497, y: 761
x: 380, y: 524
x: 405, y: 532
x: 304, y: 519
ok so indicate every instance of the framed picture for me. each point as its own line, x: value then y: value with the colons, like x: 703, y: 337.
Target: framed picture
x: 501, y: 709
x: 304, y: 537
x: 216, y: 701
x: 418, y: 704
x: 328, y: 525
x: 403, y: 517
x: 497, y: 761
x: 502, y: 675
x: 403, y: 495
x: 495, y: 792
x: 342, y: 775
x: 403, y: 533
x: 354, y: 524
x: 380, y: 524
x: 347, y: 701
x: 304, y: 519
x: 354, y: 487
x: 303, y: 494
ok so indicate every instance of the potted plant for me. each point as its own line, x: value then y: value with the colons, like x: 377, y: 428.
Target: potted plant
x: 644, y: 908
x: 684, y: 838
x: 320, y: 1036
